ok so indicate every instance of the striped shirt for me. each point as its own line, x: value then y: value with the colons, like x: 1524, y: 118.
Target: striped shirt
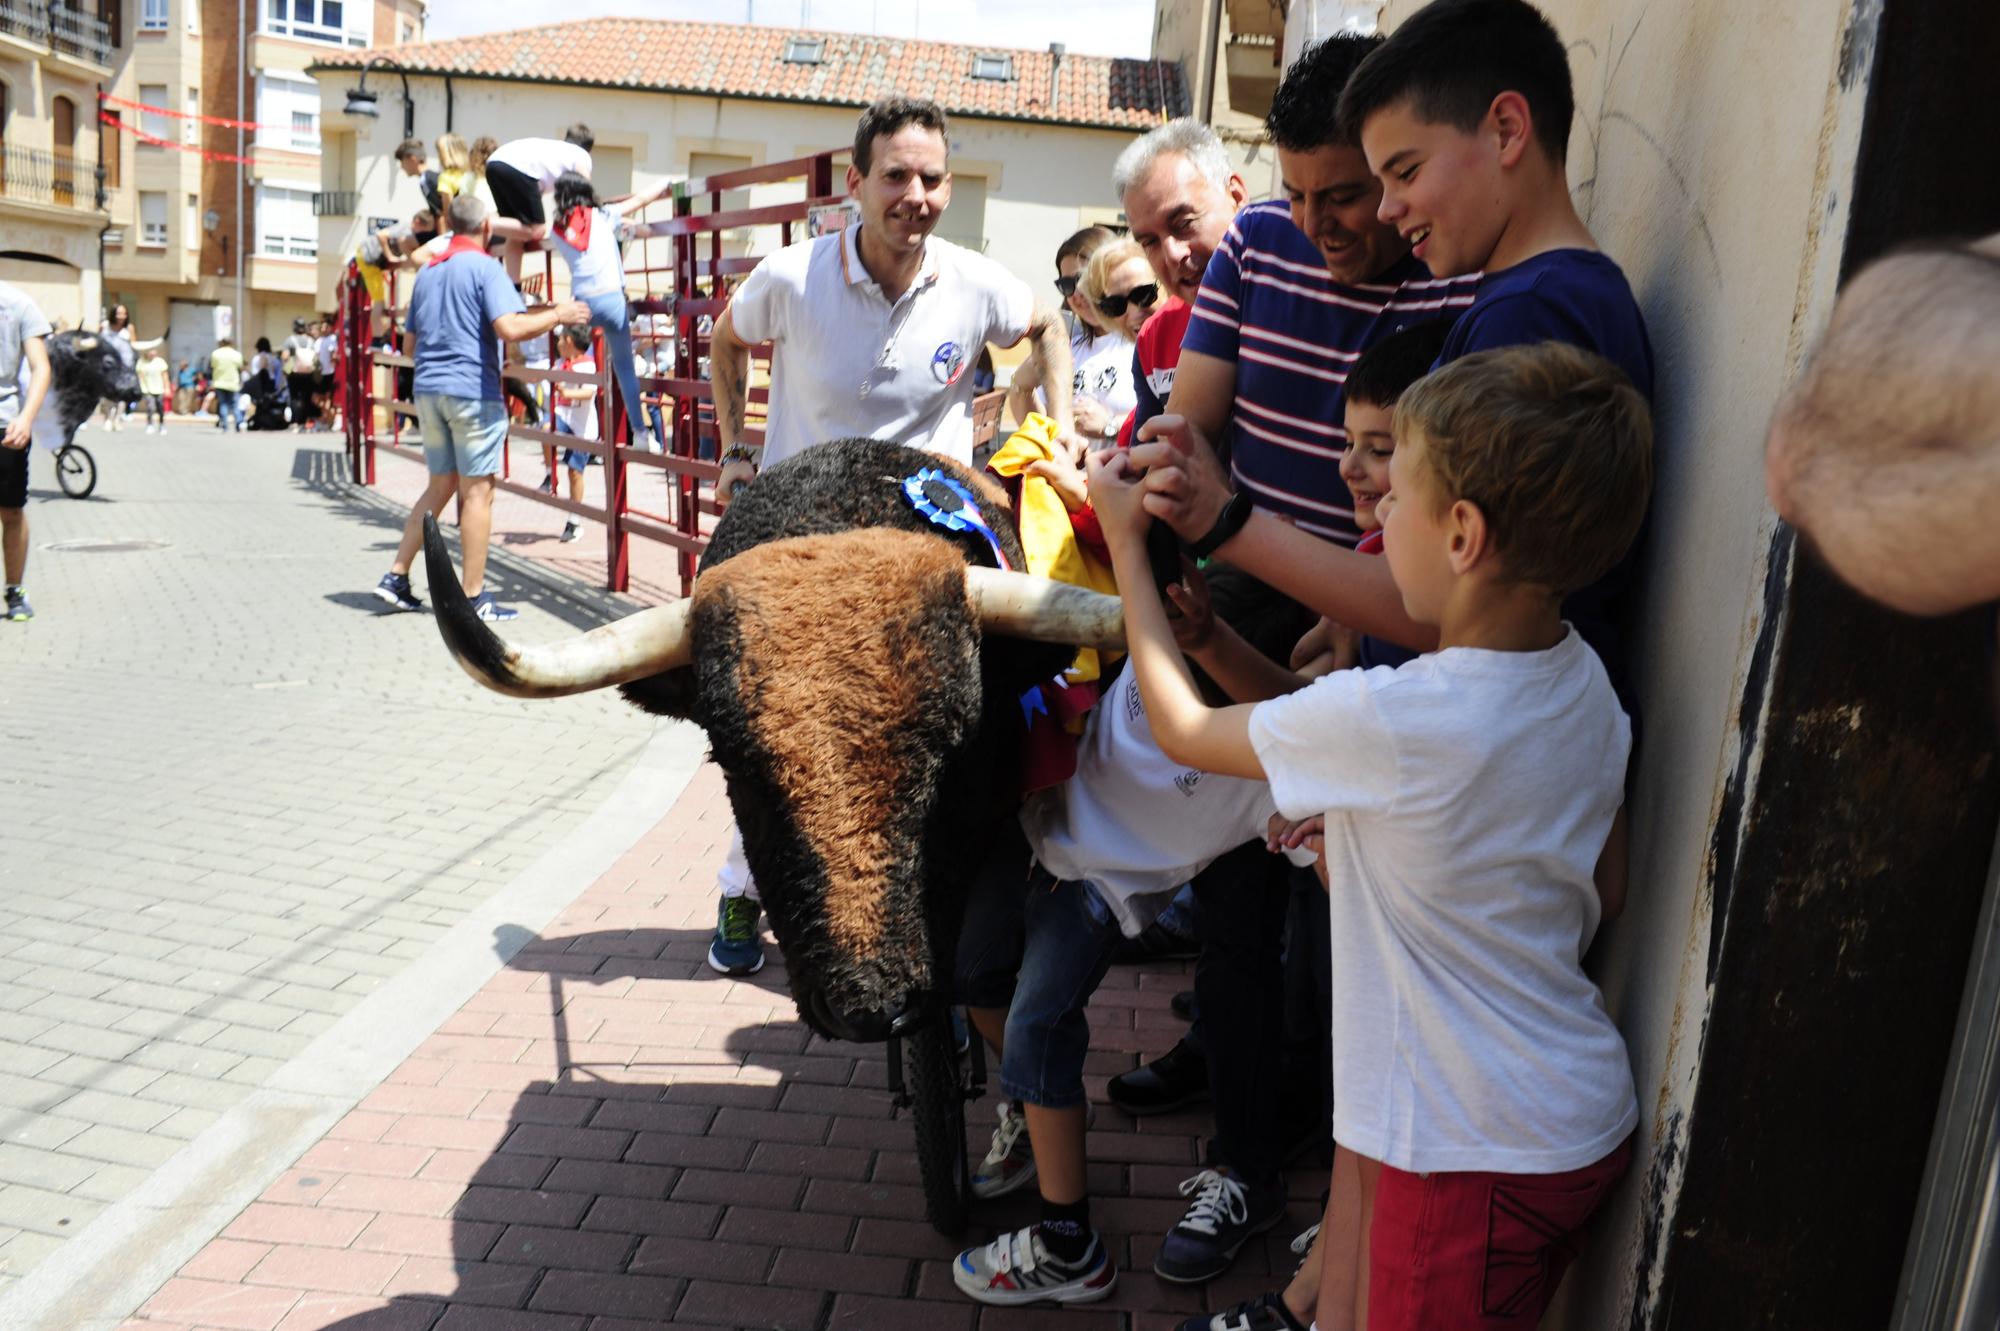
x: 1268, y: 304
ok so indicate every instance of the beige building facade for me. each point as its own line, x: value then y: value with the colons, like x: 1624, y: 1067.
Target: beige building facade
x: 201, y: 245
x: 52, y: 204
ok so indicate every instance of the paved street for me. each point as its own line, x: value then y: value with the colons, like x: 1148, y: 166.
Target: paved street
x: 235, y: 798
x: 338, y: 992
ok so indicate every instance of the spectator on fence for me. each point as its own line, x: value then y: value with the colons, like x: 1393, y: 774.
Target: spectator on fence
x: 882, y: 304
x: 520, y: 173
x: 575, y: 414
x: 23, y: 339
x: 461, y: 309
x: 585, y: 233
x: 301, y: 366
x: 153, y: 389
x: 454, y: 168
x: 225, y: 367
x: 391, y: 247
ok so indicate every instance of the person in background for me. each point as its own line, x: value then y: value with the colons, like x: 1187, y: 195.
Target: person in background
x: 585, y: 233
x: 328, y: 346
x: 23, y: 337
x: 575, y: 414
x: 153, y: 389
x: 1084, y: 327
x: 118, y: 328
x: 454, y: 168
x: 391, y: 247
x: 225, y: 368
x: 184, y: 390
x: 482, y: 149
x: 301, y: 367
x: 1121, y: 288
x: 519, y: 173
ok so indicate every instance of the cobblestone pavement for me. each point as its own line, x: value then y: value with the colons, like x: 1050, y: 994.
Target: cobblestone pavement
x: 608, y: 1137
x: 235, y: 798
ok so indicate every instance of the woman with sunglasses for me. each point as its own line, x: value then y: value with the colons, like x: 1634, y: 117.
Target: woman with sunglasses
x: 1120, y: 287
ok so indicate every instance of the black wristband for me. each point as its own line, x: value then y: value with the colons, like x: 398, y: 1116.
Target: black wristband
x: 1227, y: 523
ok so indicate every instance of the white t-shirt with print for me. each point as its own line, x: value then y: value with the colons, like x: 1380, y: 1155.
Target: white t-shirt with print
x: 1467, y: 797
x: 847, y: 363
x: 1104, y: 372
x: 1132, y: 822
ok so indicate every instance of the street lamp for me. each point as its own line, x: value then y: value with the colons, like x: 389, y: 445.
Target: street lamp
x: 361, y: 102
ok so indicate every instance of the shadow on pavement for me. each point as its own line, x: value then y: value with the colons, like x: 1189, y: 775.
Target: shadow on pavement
x: 94, y: 498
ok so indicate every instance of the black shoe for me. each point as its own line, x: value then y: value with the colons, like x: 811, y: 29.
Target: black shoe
x: 1183, y: 1005
x: 1160, y: 941
x: 1266, y: 1312
x: 1175, y: 1079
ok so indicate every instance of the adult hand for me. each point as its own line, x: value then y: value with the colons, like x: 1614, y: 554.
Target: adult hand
x: 1116, y: 496
x: 19, y: 431
x: 1092, y: 417
x: 1066, y: 475
x: 1195, y: 624
x: 735, y: 475
x: 573, y: 312
x: 1185, y: 485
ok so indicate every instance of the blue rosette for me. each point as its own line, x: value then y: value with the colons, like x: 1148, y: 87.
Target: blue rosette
x: 946, y: 502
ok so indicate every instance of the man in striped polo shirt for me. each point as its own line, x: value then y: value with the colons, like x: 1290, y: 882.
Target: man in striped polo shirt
x: 1294, y: 294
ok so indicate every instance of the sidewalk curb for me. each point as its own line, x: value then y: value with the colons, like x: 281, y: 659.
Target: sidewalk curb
x: 98, y: 1278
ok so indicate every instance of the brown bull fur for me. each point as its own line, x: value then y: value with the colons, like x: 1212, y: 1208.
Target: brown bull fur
x: 855, y: 697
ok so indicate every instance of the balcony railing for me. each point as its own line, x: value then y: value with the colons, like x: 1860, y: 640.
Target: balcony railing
x: 61, y: 27
x: 34, y: 175
x: 336, y: 203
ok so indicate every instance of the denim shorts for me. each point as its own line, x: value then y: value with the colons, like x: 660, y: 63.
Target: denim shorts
x: 462, y: 434
x: 1038, y: 947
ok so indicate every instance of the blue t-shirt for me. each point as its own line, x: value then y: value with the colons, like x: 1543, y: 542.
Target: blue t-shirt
x: 1268, y: 305
x: 452, y: 308
x: 1580, y: 297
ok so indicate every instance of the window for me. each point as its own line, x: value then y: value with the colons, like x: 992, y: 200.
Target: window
x: 191, y: 127
x: 288, y: 112
x: 286, y: 228
x: 190, y: 227
x: 999, y: 68
x: 153, y: 15
x: 341, y: 22
x: 110, y: 144
x: 805, y: 50
x: 152, y: 217
x: 153, y: 122
x: 964, y: 222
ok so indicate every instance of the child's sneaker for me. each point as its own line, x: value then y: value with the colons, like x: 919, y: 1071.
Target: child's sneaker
x: 1010, y: 1161
x: 1017, y: 1268
x: 490, y: 610
x: 18, y: 609
x: 1266, y: 1312
x: 570, y: 532
x: 736, y: 949
x: 1222, y: 1218
x: 395, y: 589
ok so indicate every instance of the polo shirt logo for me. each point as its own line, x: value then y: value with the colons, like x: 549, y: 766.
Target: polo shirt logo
x: 947, y: 363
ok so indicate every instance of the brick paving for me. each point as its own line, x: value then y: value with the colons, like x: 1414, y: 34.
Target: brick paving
x: 237, y: 798
x: 608, y: 1137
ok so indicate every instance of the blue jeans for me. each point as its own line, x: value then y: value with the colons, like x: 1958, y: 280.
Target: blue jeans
x: 1038, y: 947
x: 610, y: 313
x: 227, y: 412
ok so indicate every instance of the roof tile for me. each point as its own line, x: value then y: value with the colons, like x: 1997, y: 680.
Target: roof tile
x: 745, y: 60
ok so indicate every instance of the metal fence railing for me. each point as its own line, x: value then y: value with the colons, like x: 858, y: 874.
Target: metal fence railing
x: 690, y: 286
x: 36, y: 175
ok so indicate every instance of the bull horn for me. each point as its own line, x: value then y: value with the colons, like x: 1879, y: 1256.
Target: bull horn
x: 631, y: 648
x: 86, y: 344
x: 1020, y: 606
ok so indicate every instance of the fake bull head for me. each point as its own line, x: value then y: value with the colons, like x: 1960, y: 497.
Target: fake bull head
x: 858, y: 666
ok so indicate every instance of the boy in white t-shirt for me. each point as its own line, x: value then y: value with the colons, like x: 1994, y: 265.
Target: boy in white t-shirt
x: 1467, y: 796
x: 575, y: 413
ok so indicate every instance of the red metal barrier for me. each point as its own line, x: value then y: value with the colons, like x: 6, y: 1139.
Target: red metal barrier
x: 697, y: 281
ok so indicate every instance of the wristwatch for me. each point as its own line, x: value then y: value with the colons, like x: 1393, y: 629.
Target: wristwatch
x: 1227, y: 523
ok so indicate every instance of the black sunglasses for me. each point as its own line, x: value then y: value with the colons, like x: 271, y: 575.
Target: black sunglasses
x: 1067, y: 285
x: 1143, y: 297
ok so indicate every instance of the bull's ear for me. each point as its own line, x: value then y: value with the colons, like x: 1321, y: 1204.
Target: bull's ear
x: 86, y: 344
x: 669, y: 693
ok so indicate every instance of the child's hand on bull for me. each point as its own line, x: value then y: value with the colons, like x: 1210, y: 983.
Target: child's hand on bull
x: 1115, y: 496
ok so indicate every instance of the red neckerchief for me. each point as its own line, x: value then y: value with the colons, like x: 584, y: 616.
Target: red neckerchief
x: 459, y: 245
x: 576, y: 227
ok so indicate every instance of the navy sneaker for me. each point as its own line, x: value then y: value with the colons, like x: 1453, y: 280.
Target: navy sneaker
x: 491, y: 610
x: 736, y: 949
x: 395, y: 589
x: 1224, y: 1216
x: 1266, y: 1312
x: 18, y: 609
x: 1018, y: 1268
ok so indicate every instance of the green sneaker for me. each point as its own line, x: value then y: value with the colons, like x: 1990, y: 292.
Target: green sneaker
x: 736, y: 949
x: 18, y: 608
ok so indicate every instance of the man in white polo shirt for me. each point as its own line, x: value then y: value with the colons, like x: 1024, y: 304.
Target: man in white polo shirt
x: 874, y: 333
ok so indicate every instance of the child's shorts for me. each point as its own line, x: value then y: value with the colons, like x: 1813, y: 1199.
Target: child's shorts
x: 1038, y: 947
x: 1478, y: 1252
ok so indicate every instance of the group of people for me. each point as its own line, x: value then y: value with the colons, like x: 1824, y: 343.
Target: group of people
x: 273, y: 389
x: 1397, y: 424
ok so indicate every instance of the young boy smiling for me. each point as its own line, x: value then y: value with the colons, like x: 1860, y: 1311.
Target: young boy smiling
x: 1467, y: 797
